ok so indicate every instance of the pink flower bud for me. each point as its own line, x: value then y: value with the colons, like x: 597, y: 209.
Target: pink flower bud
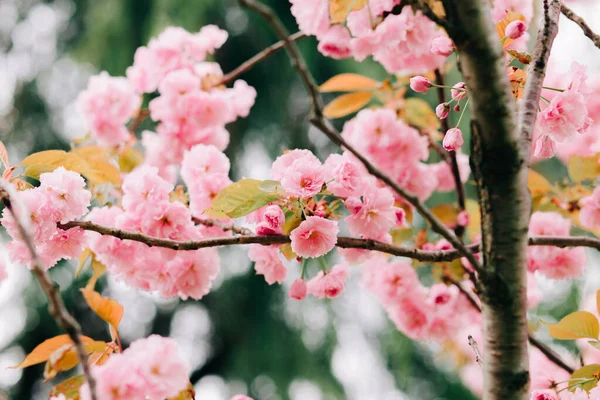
x: 515, y: 29
x: 265, y: 229
x: 544, y: 147
x: 274, y: 217
x: 298, y: 290
x: 442, y: 46
x: 457, y: 108
x: 453, y: 139
x: 401, y: 216
x: 459, y: 94
x: 420, y: 84
x: 462, y: 219
x: 332, y: 285
x: 442, y: 110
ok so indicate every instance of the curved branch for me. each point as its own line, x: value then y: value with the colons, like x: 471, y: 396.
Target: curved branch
x: 587, y: 31
x: 251, y: 62
x: 56, y: 306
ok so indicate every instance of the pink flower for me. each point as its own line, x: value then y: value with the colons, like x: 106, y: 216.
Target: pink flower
x: 442, y: 45
x: 462, y: 219
x: 192, y: 272
x: 160, y: 366
x: 144, y: 186
x: 453, y: 139
x: 420, y: 84
x: 272, y: 220
x: 515, y: 29
x: 544, y: 395
x: 107, y: 104
x: 501, y: 7
x: 201, y: 160
x: 312, y: 16
x: 169, y: 220
x: 267, y: 262
x: 117, y: 380
x: 336, y: 43
x: 411, y: 317
x: 375, y: 216
x: 241, y: 397
x: 298, y: 289
x: 314, y: 237
x: 330, y: 284
x: 3, y: 271
x: 65, y: 193
x: 442, y: 110
x: 343, y: 175
x: 564, y: 117
x: 544, y: 147
x: 554, y: 262
x: 589, y: 215
x: 285, y: 161
x: 392, y: 281
x: 304, y: 178
x: 458, y: 91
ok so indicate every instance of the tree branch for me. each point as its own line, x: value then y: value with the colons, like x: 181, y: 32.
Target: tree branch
x: 56, y: 306
x: 142, y: 115
x: 587, y: 31
x: 428, y: 12
x: 320, y: 122
x: 226, y: 227
x: 536, y: 73
x: 247, y: 65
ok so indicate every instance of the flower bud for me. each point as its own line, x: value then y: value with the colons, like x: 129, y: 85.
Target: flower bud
x: 401, y: 216
x: 453, y: 139
x: 420, y: 84
x: 457, y: 93
x: 298, y: 290
x: 462, y: 219
x: 442, y: 46
x: 515, y: 29
x: 442, y: 110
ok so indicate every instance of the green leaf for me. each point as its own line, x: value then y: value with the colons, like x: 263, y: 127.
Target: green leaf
x: 588, y: 372
x: 241, y: 198
x: 577, y: 325
x: 70, y: 387
x: 418, y: 112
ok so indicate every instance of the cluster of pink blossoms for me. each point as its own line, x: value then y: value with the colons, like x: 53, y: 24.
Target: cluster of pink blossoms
x: 400, y: 151
x: 402, y: 42
x: 60, y: 198
x: 193, y: 106
x: 566, y: 116
x: 146, y: 208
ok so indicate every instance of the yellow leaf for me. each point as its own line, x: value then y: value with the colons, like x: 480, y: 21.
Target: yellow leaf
x: 129, y: 158
x: 598, y: 301
x: 349, y: 83
x: 447, y: 213
x: 69, y: 388
x: 583, y: 168
x: 107, y: 309
x: 44, y: 350
x: 103, y: 170
x: 417, y: 112
x: 287, y: 252
x: 453, y: 269
x: 400, y: 236
x: 538, y: 185
x: 585, y: 377
x: 85, y: 255
x: 240, y: 199
x: 577, y: 325
x: 98, y: 269
x: 474, y: 227
x: 187, y: 394
x: 65, y: 358
x: 339, y: 9
x: 347, y: 104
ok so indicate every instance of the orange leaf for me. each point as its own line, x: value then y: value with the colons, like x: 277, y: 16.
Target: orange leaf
x: 107, y: 309
x: 347, y: 104
x: 349, y: 83
x: 65, y: 358
x: 69, y: 388
x: 4, y: 155
x: 339, y: 9
x: 44, y: 350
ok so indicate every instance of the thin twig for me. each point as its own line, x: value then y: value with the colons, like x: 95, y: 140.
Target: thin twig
x: 142, y: 115
x: 473, y: 345
x: 428, y: 12
x: 226, y: 227
x: 460, y: 189
x: 56, y: 306
x: 245, y: 66
x: 320, y: 122
x: 587, y: 31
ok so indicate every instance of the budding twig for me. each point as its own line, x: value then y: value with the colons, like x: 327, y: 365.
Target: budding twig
x: 320, y: 122
x: 56, y: 306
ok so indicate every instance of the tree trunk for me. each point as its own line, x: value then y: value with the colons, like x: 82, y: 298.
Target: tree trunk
x: 499, y: 164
